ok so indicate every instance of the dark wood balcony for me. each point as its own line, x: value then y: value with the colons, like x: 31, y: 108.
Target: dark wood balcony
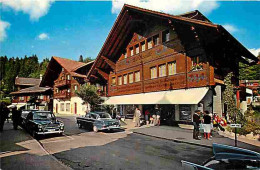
x: 62, y: 95
x: 60, y: 83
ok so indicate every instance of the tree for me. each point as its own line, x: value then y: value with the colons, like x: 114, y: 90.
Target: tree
x: 229, y: 100
x: 87, y: 59
x: 88, y: 93
x: 80, y: 58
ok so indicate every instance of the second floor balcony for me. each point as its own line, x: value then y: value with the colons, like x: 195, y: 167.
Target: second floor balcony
x: 60, y: 83
x: 62, y: 95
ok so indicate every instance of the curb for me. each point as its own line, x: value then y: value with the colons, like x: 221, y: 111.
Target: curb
x: 175, y: 140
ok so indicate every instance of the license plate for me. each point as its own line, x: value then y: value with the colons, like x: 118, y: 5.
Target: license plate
x: 51, y: 130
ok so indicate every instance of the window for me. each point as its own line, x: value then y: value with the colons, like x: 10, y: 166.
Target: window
x: 57, y: 90
x: 153, y: 72
x: 125, y: 79
x: 41, y: 97
x: 137, y: 49
x: 119, y: 80
x: 185, y: 112
x: 156, y: 40
x: 162, y: 70
x: 68, y: 77
x: 137, y: 76
x: 131, y: 51
x: 62, y: 107
x: 113, y: 83
x: 166, y: 36
x: 67, y: 107
x: 149, y: 42
x: 21, y: 98
x: 75, y: 87
x: 68, y: 90
x: 131, y: 78
x: 172, y: 68
x: 143, y: 46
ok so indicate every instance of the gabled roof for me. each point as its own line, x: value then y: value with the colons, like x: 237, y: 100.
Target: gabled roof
x: 27, y: 81
x: 34, y: 89
x: 74, y: 68
x: 194, y: 19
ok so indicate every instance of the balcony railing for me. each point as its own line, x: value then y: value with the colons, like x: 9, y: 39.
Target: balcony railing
x: 59, y: 83
x: 62, y: 95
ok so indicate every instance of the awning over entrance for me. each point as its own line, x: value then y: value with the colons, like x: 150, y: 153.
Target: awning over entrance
x: 183, y: 96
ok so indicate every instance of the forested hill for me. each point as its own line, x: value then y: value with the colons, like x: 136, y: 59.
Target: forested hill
x: 22, y: 67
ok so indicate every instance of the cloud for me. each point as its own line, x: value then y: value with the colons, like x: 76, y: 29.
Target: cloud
x: 168, y: 6
x: 43, y: 36
x: 35, y: 8
x: 3, y: 27
x: 230, y: 28
x: 255, y: 51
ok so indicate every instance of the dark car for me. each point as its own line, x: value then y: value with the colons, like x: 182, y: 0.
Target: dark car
x: 24, y: 115
x: 98, y: 121
x: 227, y: 157
x: 43, y: 123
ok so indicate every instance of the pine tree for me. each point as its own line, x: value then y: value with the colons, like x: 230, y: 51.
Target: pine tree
x: 80, y: 58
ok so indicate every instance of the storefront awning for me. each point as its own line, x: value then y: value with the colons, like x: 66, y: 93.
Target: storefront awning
x: 183, y: 96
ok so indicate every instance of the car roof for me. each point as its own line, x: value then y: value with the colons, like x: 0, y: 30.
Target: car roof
x: 98, y: 113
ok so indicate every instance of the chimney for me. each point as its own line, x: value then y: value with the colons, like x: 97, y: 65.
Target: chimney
x: 41, y: 77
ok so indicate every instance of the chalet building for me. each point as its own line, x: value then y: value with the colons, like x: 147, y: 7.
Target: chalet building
x: 28, y: 88
x: 65, y: 77
x: 175, y: 62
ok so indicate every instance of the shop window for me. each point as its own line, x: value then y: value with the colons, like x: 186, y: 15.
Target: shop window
x: 113, y: 81
x: 162, y: 70
x: 156, y: 39
x: 125, y: 79
x: 131, y: 78
x: 143, y: 46
x: 150, y: 43
x: 137, y: 76
x: 119, y: 80
x: 153, y: 72
x: 165, y: 36
x: 172, y: 68
x: 185, y: 112
x: 137, y: 49
x: 131, y: 51
x: 62, y: 107
x: 67, y: 107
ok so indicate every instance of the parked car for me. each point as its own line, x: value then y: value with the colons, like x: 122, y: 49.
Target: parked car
x: 227, y: 157
x: 43, y: 123
x: 24, y: 115
x: 97, y: 121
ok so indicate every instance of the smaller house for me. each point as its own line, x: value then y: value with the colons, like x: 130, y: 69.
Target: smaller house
x: 30, y: 95
x: 250, y: 92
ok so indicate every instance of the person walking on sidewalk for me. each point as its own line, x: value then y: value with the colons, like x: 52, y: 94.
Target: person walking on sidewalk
x: 147, y: 113
x: 158, y: 116
x: 16, y: 117
x: 137, y: 117
x: 196, y: 123
x: 207, y: 125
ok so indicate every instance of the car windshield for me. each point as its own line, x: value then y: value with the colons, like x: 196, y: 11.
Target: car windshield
x: 104, y: 116
x: 43, y: 115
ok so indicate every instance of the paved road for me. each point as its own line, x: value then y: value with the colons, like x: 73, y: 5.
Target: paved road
x: 81, y: 149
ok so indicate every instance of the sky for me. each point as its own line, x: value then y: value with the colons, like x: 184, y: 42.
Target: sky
x: 72, y: 28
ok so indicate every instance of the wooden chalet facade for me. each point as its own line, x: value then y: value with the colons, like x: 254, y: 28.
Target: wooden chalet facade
x: 65, y: 77
x: 28, y: 88
x: 175, y: 62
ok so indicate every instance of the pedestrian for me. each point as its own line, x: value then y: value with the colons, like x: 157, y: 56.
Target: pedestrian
x: 158, y: 116
x: 147, y: 113
x: 16, y: 117
x: 207, y: 125
x: 196, y: 123
x: 154, y: 118
x: 3, y: 115
x: 137, y: 117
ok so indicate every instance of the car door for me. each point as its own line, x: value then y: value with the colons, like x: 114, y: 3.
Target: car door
x: 92, y: 120
x: 29, y: 121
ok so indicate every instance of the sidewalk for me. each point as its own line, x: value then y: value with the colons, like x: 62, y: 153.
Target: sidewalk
x: 20, y: 151
x: 185, y: 136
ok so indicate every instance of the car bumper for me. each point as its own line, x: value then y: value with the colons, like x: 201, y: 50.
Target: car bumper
x: 109, y: 128
x: 50, y: 132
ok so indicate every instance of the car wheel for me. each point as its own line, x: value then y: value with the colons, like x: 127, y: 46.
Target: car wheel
x: 95, y: 129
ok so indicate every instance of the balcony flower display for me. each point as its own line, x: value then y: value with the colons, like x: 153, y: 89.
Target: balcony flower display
x: 196, y: 67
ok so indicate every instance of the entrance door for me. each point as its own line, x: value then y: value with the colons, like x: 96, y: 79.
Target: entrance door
x: 56, y: 108
x: 75, y: 104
